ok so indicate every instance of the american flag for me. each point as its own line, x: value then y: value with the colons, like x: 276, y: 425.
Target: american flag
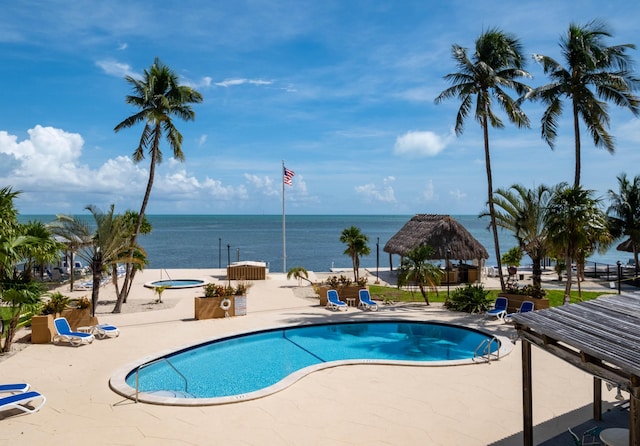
x: 288, y: 175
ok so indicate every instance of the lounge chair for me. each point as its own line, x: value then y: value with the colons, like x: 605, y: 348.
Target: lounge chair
x: 499, y: 309
x: 525, y: 307
x: 64, y: 333
x: 334, y: 302
x: 589, y: 437
x: 102, y: 331
x: 365, y: 301
x: 18, y: 401
x: 14, y: 388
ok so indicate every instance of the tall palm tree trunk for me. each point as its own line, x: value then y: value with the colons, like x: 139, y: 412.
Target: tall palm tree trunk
x: 492, y: 210
x: 129, y: 269
x: 567, y: 289
x: 576, y: 131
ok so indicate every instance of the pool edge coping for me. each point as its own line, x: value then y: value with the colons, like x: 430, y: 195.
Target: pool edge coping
x: 118, y: 384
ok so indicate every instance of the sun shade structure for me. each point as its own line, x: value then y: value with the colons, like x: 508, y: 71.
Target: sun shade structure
x: 448, y: 238
x: 600, y: 337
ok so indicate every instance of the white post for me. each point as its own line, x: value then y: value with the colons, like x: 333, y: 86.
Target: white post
x: 284, y: 236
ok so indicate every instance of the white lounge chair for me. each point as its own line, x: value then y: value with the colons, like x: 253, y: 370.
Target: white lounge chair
x: 64, y: 333
x: 14, y: 388
x: 365, y: 301
x: 19, y: 401
x: 499, y: 309
x: 102, y: 331
x: 525, y: 307
x: 334, y: 302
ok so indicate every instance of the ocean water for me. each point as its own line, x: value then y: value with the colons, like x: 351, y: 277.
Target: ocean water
x: 312, y: 241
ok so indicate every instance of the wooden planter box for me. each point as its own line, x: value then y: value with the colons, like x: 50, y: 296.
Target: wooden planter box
x: 209, y: 307
x: 515, y: 300
x: 79, y: 318
x: 42, y: 329
x: 344, y: 292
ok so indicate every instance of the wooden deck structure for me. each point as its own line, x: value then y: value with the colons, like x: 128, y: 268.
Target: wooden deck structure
x: 600, y: 337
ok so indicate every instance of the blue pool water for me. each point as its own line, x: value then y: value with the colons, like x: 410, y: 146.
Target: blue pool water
x: 255, y: 361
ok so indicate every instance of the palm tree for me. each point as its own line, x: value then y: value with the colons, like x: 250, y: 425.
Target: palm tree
x: 357, y: 246
x: 576, y: 226
x: 44, y: 248
x: 8, y: 212
x: 20, y: 296
x: 105, y: 243
x: 299, y: 273
x: 593, y: 75
x: 495, y: 65
x: 415, y: 268
x: 159, y: 96
x: 522, y: 211
x: 624, y: 212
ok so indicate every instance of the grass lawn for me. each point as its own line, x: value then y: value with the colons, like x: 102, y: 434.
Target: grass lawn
x: 556, y: 297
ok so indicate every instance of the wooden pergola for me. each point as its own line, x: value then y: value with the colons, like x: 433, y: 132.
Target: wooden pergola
x: 600, y: 337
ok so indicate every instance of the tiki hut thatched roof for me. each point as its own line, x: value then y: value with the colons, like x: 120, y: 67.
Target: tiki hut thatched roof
x: 625, y: 246
x: 440, y: 232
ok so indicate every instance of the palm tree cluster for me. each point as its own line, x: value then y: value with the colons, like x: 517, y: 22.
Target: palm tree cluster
x: 22, y: 247
x: 594, y: 74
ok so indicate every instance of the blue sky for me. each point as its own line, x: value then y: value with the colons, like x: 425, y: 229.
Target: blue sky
x: 341, y: 90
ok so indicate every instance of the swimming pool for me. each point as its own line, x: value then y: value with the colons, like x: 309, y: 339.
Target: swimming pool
x: 175, y: 283
x: 257, y: 364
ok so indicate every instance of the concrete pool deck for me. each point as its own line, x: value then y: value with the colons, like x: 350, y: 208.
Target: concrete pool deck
x: 476, y: 404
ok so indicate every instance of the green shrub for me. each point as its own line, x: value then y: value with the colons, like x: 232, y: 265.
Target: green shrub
x: 470, y: 299
x: 527, y: 290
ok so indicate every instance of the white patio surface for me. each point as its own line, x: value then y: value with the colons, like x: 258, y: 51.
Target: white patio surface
x: 475, y: 404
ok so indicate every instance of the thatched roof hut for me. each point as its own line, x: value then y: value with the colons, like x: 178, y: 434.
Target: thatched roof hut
x: 440, y: 232
x: 625, y: 246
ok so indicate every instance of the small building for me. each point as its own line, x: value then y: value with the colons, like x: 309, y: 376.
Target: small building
x: 449, y: 240
x: 247, y: 271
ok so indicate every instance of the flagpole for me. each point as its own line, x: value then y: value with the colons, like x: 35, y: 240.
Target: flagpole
x: 284, y: 236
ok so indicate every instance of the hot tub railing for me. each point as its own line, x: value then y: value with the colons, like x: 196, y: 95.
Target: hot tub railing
x: 186, y: 383
x: 483, y: 350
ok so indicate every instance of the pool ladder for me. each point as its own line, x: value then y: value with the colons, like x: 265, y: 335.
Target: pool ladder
x: 483, y: 350
x: 186, y: 383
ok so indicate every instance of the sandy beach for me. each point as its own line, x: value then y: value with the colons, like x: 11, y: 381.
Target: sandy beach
x: 475, y: 404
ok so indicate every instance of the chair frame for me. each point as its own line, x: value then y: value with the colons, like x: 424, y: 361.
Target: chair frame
x: 14, y: 388
x: 365, y: 301
x: 18, y: 401
x: 75, y: 338
x: 499, y: 313
x: 102, y: 331
x: 523, y: 306
x: 334, y: 302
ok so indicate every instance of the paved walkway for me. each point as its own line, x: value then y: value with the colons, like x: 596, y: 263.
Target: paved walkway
x: 476, y: 404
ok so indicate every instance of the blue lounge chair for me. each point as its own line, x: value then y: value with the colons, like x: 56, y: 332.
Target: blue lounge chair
x: 14, y: 388
x: 334, y: 302
x: 499, y: 309
x: 64, y: 333
x: 365, y: 301
x: 18, y: 401
x: 102, y: 331
x: 525, y: 307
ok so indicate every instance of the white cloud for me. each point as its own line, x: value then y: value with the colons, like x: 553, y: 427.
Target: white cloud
x: 47, y: 167
x: 202, y: 140
x: 123, y: 46
x: 233, y: 82
x: 204, y: 82
x: 457, y: 194
x: 264, y: 185
x: 115, y: 68
x: 429, y: 192
x: 372, y: 192
x: 420, y: 144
